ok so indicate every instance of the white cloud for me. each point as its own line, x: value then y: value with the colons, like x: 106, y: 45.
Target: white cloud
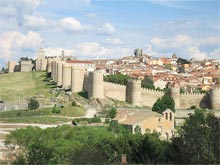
x: 49, y: 51
x: 14, y: 9
x: 172, y: 42
x: 107, y: 28
x: 11, y: 43
x: 91, y: 15
x: 194, y: 52
x: 39, y: 23
x: 185, y: 46
x: 70, y: 24
x: 114, y: 41
x: 215, y: 54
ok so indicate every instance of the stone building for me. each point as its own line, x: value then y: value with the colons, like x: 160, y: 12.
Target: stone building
x: 147, y: 121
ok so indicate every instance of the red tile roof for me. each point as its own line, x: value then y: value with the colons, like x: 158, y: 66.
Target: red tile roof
x: 80, y: 61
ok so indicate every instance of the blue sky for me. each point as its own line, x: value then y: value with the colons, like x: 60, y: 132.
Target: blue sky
x: 93, y: 29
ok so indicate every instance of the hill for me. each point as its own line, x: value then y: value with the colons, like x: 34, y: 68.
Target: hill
x: 15, y: 87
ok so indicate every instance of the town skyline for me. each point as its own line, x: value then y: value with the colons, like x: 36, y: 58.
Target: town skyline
x: 96, y: 29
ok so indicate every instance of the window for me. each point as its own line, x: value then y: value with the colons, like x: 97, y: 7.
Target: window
x: 166, y: 116
x: 159, y: 119
x: 170, y: 116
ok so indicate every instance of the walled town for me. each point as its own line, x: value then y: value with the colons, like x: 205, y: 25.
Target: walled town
x: 189, y: 83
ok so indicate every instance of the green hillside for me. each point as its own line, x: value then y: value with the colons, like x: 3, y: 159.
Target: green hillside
x: 15, y: 87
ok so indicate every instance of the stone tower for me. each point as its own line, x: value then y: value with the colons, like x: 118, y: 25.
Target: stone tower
x: 96, y: 85
x: 11, y: 66
x: 49, y: 65
x: 66, y: 76
x: 215, y: 98
x: 77, y: 78
x: 174, y: 92
x: 43, y: 64
x: 59, y: 73
x: 133, y: 92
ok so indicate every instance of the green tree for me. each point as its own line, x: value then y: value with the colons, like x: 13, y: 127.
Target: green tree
x: 137, y: 129
x: 147, y: 83
x: 198, y: 140
x: 117, y: 78
x: 33, y: 104
x: 166, y: 102
x: 112, y: 113
x: 182, y: 61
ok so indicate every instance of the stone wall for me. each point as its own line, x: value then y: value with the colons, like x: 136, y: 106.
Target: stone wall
x: 92, y: 82
x: 115, y: 91
x: 11, y: 66
x: 26, y: 66
x: 149, y: 97
x: 13, y: 106
x: 189, y: 99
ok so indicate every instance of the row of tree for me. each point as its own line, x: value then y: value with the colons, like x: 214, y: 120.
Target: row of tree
x: 197, y: 142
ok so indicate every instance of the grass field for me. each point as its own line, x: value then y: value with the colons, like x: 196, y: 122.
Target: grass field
x: 15, y: 87
x: 66, y: 111
x: 38, y: 119
x: 43, y: 116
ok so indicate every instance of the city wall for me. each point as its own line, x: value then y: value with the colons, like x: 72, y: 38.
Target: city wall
x: 189, y: 99
x: 149, y: 97
x: 115, y: 91
x: 133, y: 93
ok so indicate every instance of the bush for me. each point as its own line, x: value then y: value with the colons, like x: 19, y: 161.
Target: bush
x: 166, y: 102
x: 74, y: 103
x: 112, y: 113
x: 193, y: 107
x: 33, y: 104
x: 55, y: 110
x: 88, y: 120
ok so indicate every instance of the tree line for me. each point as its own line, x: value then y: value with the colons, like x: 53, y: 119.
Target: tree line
x: 197, y: 141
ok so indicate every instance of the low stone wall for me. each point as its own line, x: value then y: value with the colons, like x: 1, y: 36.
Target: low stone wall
x: 13, y: 106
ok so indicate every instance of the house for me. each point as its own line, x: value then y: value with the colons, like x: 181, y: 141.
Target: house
x: 160, y: 83
x: 148, y: 121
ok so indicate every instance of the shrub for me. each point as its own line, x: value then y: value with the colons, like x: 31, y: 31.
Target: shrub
x: 55, y: 110
x: 88, y: 120
x: 193, y: 107
x: 73, y: 103
x: 18, y: 113
x: 112, y: 113
x: 33, y: 104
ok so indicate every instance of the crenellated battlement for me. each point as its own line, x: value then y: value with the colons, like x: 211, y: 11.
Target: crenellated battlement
x: 192, y: 94
x: 134, y: 81
x: 114, y: 84
x: 151, y: 91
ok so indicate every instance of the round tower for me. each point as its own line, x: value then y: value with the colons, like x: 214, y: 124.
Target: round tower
x: 215, y: 98
x: 77, y: 78
x: 133, y: 92
x: 59, y: 73
x: 43, y: 64
x: 174, y: 92
x: 96, y: 85
x: 49, y: 65
x: 38, y: 65
x: 66, y: 76
x: 52, y: 69
x: 11, y: 66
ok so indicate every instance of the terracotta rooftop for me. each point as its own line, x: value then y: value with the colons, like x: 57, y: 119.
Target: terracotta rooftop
x: 130, y: 117
x: 80, y: 61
